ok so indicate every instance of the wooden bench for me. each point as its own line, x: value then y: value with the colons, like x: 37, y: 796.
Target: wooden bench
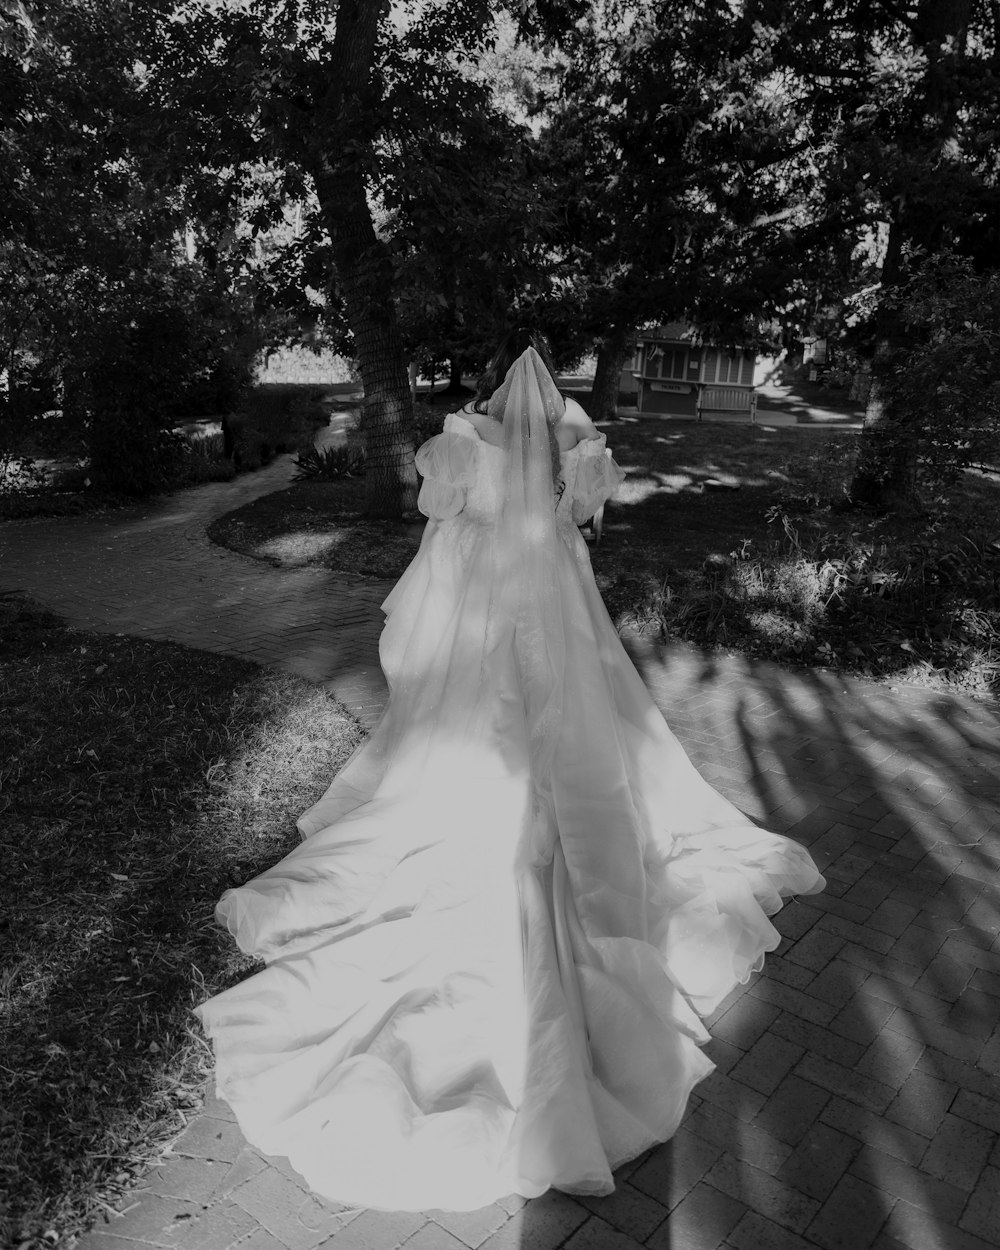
x: 595, y: 525
x: 727, y: 399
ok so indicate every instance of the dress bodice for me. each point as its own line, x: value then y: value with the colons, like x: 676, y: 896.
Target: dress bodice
x: 463, y: 476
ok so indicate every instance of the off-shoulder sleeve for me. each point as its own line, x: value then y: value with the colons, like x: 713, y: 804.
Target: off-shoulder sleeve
x: 447, y: 463
x: 597, y: 477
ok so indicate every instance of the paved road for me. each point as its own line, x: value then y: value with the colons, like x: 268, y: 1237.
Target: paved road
x: 855, y: 1102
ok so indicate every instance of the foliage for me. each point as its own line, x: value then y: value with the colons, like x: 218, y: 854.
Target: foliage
x: 274, y: 420
x: 124, y: 355
x: 847, y: 602
x: 204, y: 459
x: 760, y: 168
x: 675, y: 154
x: 18, y: 473
x: 328, y: 464
x: 469, y: 212
x: 427, y: 421
x: 902, y: 108
x: 100, y: 294
x: 944, y: 378
x: 591, y: 164
x: 130, y: 347
x: 138, y: 780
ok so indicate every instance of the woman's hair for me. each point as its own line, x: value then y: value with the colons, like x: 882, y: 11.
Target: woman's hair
x: 511, y: 347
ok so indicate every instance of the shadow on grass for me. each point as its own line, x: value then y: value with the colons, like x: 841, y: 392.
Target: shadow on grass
x: 727, y: 538
x: 139, y: 780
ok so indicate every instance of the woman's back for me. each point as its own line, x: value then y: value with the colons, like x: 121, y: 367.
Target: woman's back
x: 572, y: 429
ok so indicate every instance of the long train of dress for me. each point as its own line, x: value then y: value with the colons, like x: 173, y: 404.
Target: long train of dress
x: 470, y: 991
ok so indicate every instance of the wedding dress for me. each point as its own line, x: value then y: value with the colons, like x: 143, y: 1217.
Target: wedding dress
x: 487, y: 960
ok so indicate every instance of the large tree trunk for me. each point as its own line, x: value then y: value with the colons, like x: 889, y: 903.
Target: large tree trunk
x: 455, y: 385
x: 611, y: 357
x: 364, y: 270
x: 886, y: 472
x: 364, y: 277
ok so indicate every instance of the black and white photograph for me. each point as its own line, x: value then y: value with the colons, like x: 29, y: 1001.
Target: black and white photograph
x: 499, y: 625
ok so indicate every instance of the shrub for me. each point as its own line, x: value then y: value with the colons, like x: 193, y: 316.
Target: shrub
x: 329, y: 464
x: 204, y: 459
x: 275, y: 420
x: 18, y: 473
x: 131, y: 345
x: 946, y: 380
x: 427, y: 422
x: 829, y: 598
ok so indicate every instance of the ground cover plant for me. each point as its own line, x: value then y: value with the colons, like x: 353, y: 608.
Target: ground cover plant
x: 728, y: 534
x: 138, y: 780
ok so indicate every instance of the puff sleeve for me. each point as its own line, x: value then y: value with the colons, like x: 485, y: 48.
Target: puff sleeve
x: 597, y: 478
x: 447, y: 463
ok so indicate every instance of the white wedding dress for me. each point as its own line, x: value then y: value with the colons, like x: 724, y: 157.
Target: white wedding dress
x: 487, y: 959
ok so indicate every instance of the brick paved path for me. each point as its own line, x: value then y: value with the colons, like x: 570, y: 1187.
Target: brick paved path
x: 152, y: 571
x: 856, y: 1102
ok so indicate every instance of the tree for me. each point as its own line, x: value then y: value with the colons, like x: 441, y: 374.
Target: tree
x: 682, y: 172
x: 326, y: 93
x: 469, y: 224
x: 945, y: 375
x: 102, y: 298
x: 900, y: 105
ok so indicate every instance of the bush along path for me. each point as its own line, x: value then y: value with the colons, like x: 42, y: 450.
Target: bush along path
x: 855, y: 1097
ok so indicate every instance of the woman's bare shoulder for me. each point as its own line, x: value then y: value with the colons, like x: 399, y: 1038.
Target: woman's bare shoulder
x: 575, y: 419
x: 485, y: 426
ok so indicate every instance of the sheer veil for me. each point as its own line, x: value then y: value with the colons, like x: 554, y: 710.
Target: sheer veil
x: 526, y: 576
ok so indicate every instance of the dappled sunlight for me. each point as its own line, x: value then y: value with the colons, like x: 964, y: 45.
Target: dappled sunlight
x: 675, y: 481
x: 861, y: 1056
x: 300, y: 546
x: 777, y: 628
x: 635, y: 490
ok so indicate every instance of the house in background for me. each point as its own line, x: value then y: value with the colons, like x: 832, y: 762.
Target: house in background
x: 679, y: 376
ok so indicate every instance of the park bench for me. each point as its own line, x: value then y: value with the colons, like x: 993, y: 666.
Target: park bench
x: 595, y: 525
x: 727, y: 399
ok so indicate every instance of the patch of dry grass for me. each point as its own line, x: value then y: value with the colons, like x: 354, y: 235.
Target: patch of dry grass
x: 138, y: 780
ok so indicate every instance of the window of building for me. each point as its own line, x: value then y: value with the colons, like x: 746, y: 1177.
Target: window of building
x: 667, y: 362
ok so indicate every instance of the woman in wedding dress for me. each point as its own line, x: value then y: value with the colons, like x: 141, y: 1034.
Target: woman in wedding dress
x: 487, y: 960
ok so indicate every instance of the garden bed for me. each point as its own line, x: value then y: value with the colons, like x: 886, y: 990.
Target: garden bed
x: 275, y: 419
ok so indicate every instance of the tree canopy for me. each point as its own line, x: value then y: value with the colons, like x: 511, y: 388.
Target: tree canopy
x: 410, y: 177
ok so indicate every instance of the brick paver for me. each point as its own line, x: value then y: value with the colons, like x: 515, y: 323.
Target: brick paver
x: 856, y: 1102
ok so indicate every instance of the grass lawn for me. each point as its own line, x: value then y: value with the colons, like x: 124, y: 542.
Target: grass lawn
x: 724, y: 534
x: 138, y: 780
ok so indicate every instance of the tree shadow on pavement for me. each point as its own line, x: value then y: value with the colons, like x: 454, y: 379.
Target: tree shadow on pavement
x: 855, y: 1097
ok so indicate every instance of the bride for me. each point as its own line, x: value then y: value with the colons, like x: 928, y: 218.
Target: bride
x: 487, y: 960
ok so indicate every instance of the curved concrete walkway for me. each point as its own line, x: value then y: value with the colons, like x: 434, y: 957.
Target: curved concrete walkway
x: 855, y: 1103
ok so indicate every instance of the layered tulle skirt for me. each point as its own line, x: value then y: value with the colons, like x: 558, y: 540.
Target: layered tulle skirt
x: 479, y: 981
